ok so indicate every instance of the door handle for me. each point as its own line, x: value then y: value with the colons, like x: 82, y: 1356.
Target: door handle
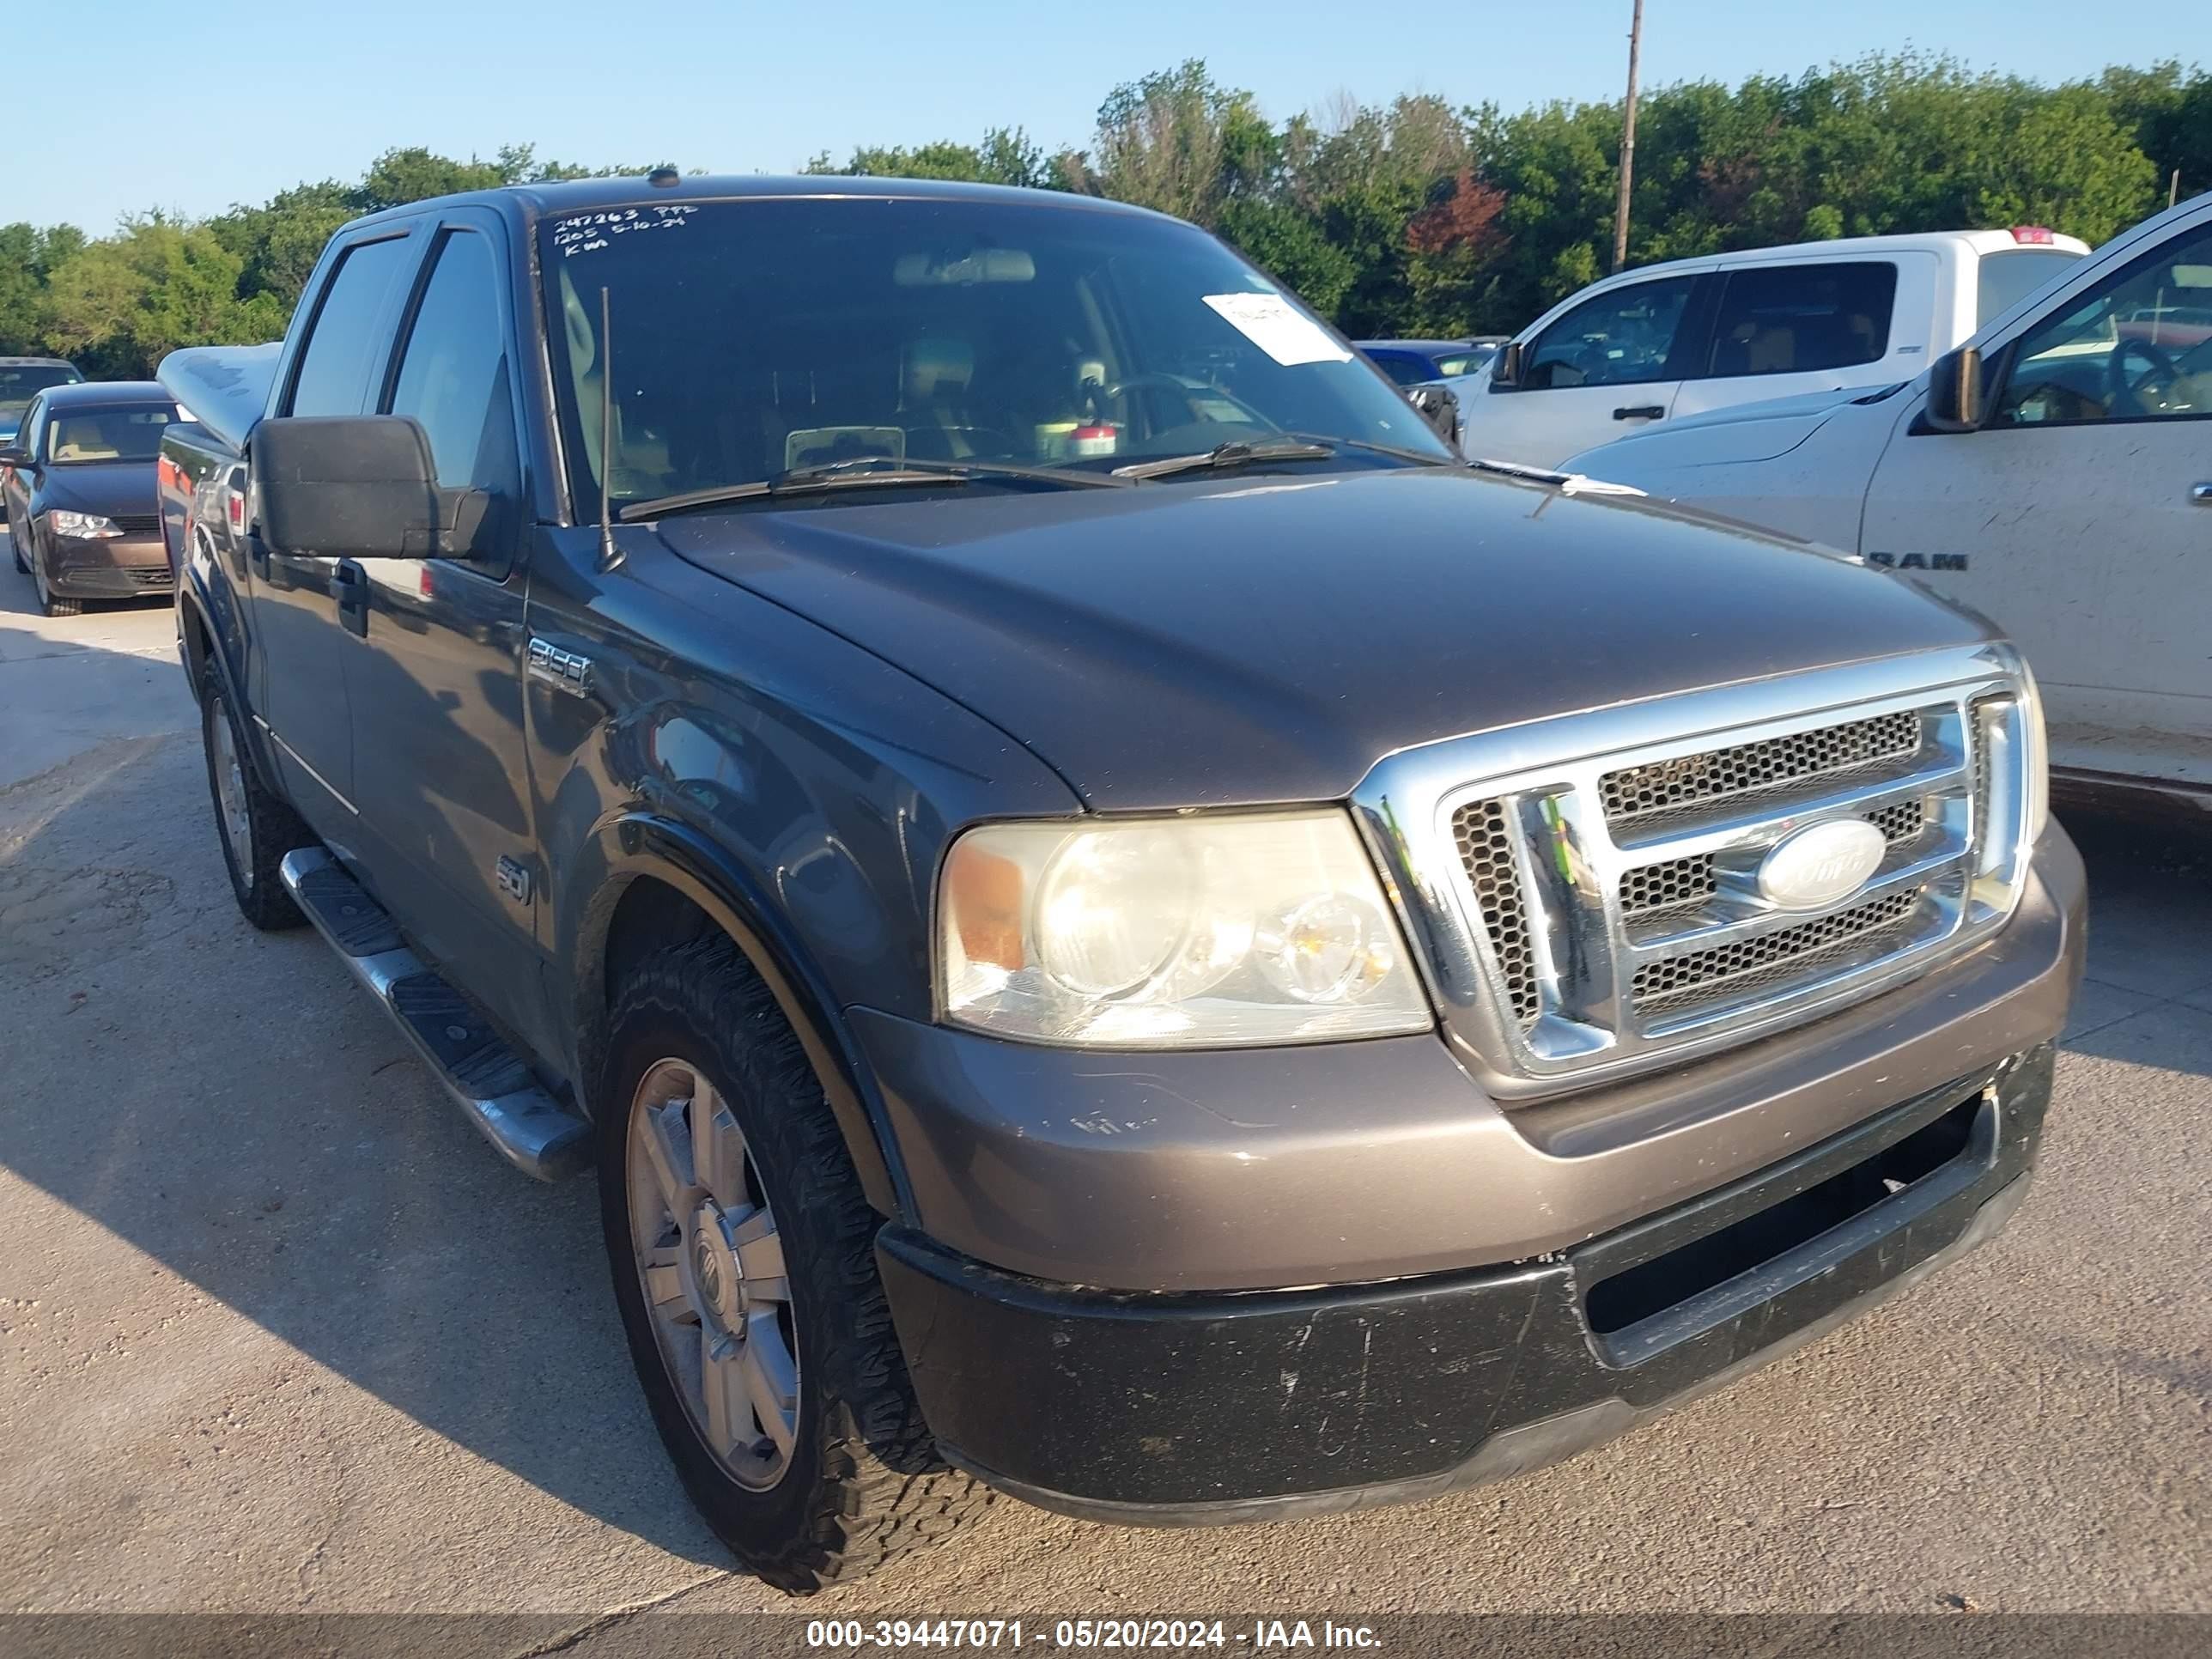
x: 349, y: 588
x: 2200, y: 494
x: 1641, y: 412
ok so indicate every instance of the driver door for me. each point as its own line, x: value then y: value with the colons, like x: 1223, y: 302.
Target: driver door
x: 1611, y: 366
x: 2077, y: 517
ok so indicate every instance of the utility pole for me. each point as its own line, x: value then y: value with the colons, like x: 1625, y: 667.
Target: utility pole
x: 2172, y: 191
x: 1627, y: 142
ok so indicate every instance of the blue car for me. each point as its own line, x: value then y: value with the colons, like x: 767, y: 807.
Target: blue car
x: 1410, y: 362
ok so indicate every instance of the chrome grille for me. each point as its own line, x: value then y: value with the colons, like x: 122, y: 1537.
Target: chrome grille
x: 1675, y: 977
x: 1663, y: 886
x: 1685, y: 881
x: 1687, y: 779
x: 1585, y: 891
x: 1487, y: 850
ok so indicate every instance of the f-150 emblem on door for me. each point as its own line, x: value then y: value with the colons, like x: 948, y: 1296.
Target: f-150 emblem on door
x: 561, y: 668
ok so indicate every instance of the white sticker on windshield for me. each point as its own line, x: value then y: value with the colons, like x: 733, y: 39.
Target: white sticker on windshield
x: 1272, y: 324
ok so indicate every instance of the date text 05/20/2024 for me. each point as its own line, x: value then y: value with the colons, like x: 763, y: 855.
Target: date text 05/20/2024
x: 1168, y: 1633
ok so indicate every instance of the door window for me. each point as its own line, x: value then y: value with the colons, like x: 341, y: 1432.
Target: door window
x: 453, y: 379
x: 2136, y: 346
x: 1799, y: 318
x: 1617, y: 338
x: 342, y: 347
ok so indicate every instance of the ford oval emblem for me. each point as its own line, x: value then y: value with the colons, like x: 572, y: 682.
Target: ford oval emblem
x: 1820, y: 863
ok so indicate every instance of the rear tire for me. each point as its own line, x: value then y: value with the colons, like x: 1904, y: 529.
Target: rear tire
x: 848, y: 1478
x: 255, y: 827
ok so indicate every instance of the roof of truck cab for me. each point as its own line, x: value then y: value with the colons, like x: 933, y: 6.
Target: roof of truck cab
x: 554, y: 198
x: 1977, y: 242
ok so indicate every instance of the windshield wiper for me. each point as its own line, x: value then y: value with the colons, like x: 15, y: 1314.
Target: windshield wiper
x: 861, y: 472
x: 1228, y: 454
x: 1392, y: 450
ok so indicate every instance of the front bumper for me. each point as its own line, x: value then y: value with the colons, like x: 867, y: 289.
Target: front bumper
x: 109, y: 568
x: 1196, y: 1409
x: 1353, y: 1162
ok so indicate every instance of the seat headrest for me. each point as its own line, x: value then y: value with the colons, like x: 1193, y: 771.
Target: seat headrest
x: 938, y: 368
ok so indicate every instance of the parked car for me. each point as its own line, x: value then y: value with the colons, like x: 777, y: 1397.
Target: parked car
x: 1666, y: 341
x: 22, y: 378
x: 2056, y: 473
x: 1137, y: 936
x: 79, y: 488
x: 1410, y: 362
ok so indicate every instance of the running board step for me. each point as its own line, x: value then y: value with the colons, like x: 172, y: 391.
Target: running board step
x: 485, y: 1077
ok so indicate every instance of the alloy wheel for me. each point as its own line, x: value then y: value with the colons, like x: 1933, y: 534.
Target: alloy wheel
x: 230, y: 793
x: 710, y: 1261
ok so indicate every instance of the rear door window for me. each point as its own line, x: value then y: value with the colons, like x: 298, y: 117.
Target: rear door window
x: 1797, y: 318
x: 342, y: 353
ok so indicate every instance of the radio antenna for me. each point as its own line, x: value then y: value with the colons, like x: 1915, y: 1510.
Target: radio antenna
x: 610, y: 554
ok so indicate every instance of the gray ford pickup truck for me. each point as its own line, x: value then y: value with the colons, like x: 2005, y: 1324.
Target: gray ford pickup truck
x: 1118, y: 925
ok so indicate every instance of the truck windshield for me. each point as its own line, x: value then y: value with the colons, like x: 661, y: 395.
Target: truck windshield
x: 751, y: 338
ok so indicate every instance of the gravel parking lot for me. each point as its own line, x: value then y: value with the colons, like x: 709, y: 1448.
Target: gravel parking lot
x: 277, y: 1332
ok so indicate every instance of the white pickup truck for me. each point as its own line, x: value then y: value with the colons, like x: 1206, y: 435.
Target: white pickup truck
x: 1664, y: 341
x: 2055, y: 472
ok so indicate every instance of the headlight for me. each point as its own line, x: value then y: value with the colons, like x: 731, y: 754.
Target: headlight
x: 2039, y: 756
x: 1181, y: 932
x: 2013, y: 798
x: 80, y: 525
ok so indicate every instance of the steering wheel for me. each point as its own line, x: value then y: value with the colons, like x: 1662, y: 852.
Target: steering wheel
x: 2123, y: 393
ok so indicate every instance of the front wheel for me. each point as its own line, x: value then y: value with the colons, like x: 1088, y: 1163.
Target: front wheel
x: 50, y: 602
x: 743, y: 1254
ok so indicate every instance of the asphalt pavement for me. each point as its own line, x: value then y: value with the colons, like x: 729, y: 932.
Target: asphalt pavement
x: 277, y: 1332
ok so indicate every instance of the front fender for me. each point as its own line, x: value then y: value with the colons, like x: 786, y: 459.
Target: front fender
x: 640, y: 843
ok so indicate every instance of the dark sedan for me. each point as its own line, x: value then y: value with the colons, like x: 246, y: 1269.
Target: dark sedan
x: 80, y: 496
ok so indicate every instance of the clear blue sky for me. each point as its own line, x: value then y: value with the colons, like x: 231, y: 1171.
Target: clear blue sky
x: 121, y: 105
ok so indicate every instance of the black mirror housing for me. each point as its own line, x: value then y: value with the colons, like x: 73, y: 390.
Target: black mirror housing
x: 1505, y: 367
x: 350, y: 486
x: 14, y: 455
x: 1955, y: 391
x: 1439, y: 407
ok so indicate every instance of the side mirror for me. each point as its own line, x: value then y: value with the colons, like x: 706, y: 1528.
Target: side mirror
x: 1955, y: 391
x: 1439, y: 407
x: 350, y: 486
x: 14, y: 455
x: 1505, y: 367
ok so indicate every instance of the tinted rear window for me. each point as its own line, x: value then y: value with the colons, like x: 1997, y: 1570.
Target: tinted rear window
x: 1792, y: 318
x: 2009, y: 277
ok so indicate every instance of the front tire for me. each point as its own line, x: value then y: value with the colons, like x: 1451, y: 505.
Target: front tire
x: 52, y: 603
x: 742, y: 1256
x: 255, y: 827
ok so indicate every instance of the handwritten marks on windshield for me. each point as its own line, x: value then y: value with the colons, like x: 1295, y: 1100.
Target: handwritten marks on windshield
x: 587, y: 233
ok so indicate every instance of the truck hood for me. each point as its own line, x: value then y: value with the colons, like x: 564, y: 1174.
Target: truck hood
x: 1247, y: 640
x: 1740, y: 433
